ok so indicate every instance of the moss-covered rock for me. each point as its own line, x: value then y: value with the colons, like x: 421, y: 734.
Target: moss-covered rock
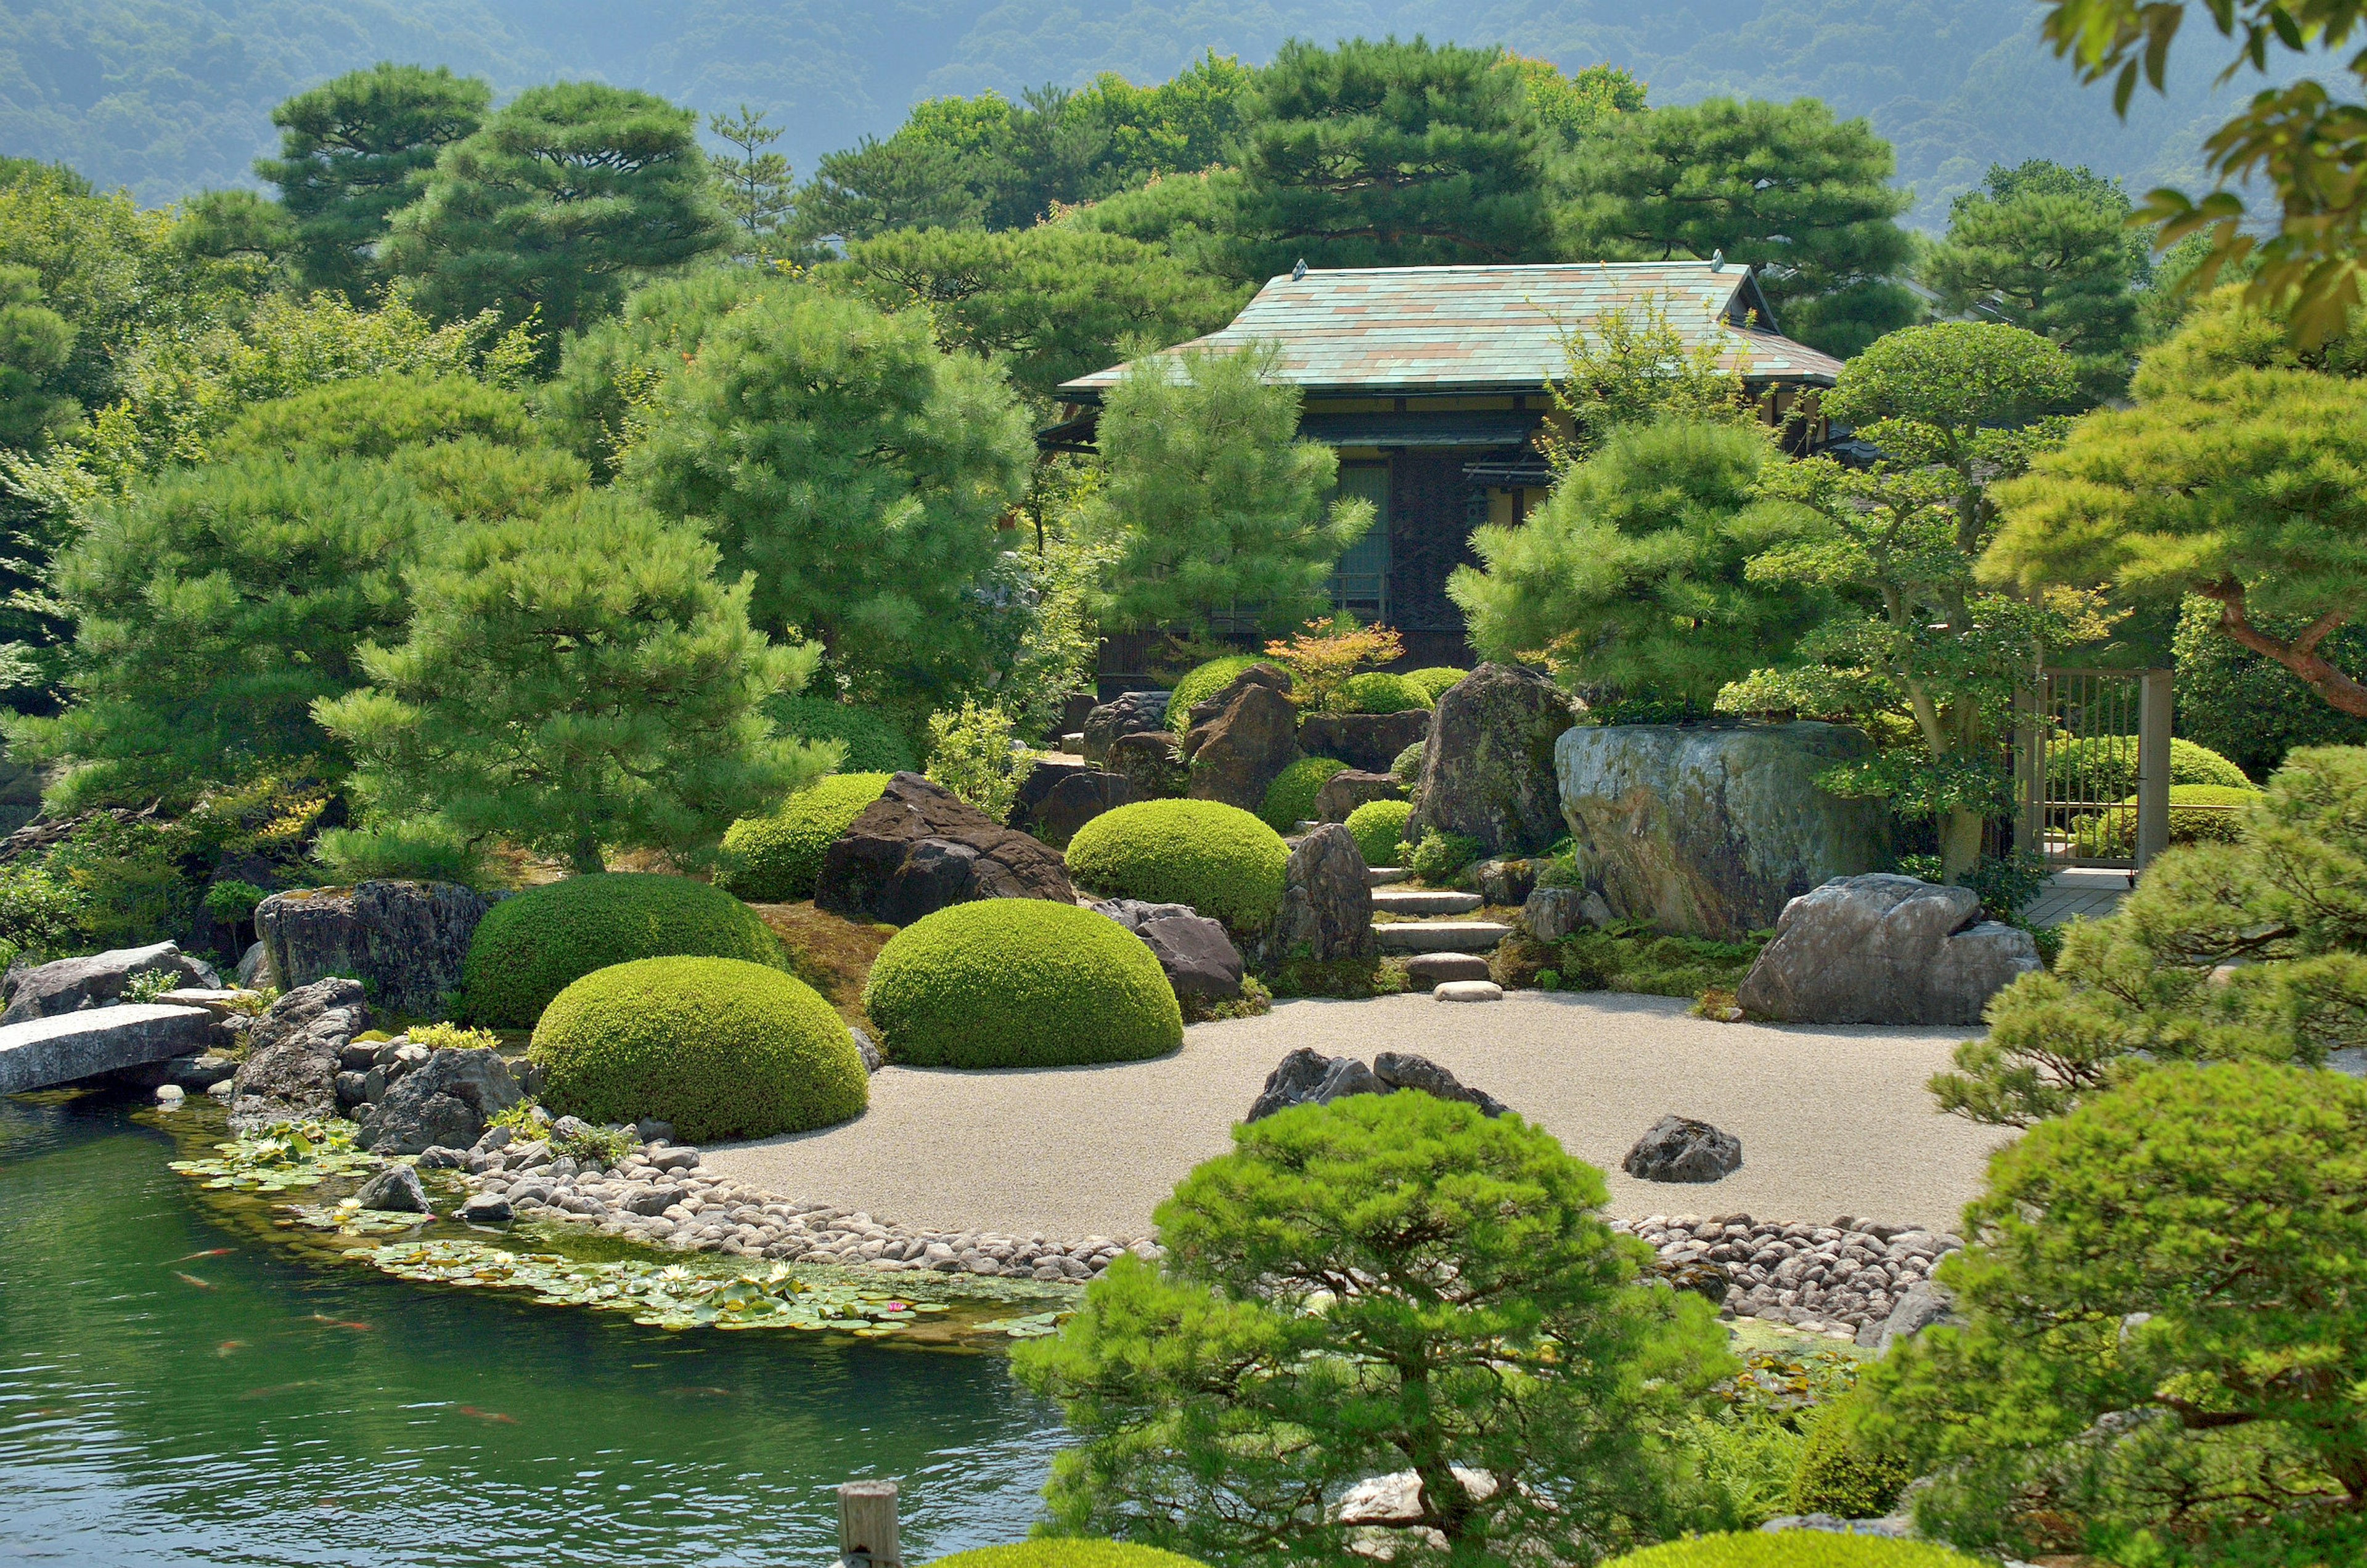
x: 1220, y: 860
x: 1021, y: 982
x: 720, y: 1047
x: 775, y: 859
x: 1377, y: 826
x: 1203, y: 681
x: 1290, y: 799
x: 529, y: 948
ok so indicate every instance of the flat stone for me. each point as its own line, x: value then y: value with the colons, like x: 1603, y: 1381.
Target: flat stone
x: 1467, y: 991
x: 1383, y: 876
x: 1422, y: 901
x: 1430, y: 968
x: 1443, y: 936
x: 50, y: 1051
x: 71, y: 984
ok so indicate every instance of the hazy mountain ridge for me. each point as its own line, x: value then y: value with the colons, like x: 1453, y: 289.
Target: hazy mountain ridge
x: 168, y: 97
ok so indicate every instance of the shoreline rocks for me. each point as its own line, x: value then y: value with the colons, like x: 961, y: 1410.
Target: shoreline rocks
x: 1821, y: 1279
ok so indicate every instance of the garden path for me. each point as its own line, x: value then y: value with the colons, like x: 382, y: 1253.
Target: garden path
x: 1833, y: 1119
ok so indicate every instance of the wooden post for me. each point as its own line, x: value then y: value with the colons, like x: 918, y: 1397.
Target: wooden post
x: 867, y: 1525
x: 2153, y: 767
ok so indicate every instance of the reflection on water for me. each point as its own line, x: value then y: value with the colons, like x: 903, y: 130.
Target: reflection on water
x: 166, y: 1402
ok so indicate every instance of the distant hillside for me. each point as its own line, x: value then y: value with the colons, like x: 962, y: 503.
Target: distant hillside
x: 168, y: 97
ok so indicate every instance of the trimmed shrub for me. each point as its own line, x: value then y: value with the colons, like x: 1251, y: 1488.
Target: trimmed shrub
x: 775, y: 859
x: 1434, y: 680
x: 2199, y: 814
x: 1795, y: 1549
x: 1377, y: 691
x: 2107, y: 764
x: 873, y: 744
x: 1440, y: 857
x: 1204, y: 680
x: 1020, y: 983
x: 1377, y: 826
x: 1063, y: 1552
x: 1407, y: 768
x: 1220, y: 860
x: 1843, y: 1472
x: 1290, y: 799
x: 530, y: 948
x: 720, y: 1047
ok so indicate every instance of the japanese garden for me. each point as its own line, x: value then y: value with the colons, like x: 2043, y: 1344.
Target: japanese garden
x: 1457, y: 797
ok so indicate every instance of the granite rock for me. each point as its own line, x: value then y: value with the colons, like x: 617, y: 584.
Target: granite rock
x: 1057, y: 798
x: 1369, y: 742
x: 1885, y: 948
x: 1131, y: 713
x: 71, y: 984
x: 408, y: 940
x: 1327, y: 902
x: 920, y: 848
x: 1235, y: 755
x: 1346, y: 790
x: 1679, y: 1148
x: 1488, y: 761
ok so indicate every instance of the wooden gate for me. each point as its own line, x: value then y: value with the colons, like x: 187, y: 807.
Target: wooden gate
x: 2093, y: 767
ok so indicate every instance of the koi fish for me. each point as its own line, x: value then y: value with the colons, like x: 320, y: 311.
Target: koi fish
x: 342, y: 1323
x: 210, y: 1252
x: 717, y: 1393
x: 229, y: 1346
x: 275, y: 1389
x: 193, y: 1279
x: 489, y: 1415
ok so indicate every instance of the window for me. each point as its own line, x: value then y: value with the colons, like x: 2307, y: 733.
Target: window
x: 1360, y: 580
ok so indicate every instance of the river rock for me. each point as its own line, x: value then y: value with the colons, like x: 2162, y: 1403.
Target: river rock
x: 1348, y: 789
x: 1326, y: 905
x: 1679, y: 1148
x: 1199, y: 959
x: 408, y: 940
x: 920, y: 847
x: 447, y: 1100
x: 1885, y: 948
x: 395, y: 1189
x: 1488, y: 761
x: 485, y: 1209
x: 71, y: 984
x: 1057, y: 798
x: 1369, y: 742
x: 1131, y: 713
x: 1235, y: 755
x: 1711, y: 830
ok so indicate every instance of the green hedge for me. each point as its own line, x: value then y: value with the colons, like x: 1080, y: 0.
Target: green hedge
x: 530, y: 948
x: 1377, y: 691
x: 2107, y: 765
x: 1290, y: 799
x: 1435, y: 680
x: 873, y: 744
x: 1795, y: 1549
x: 775, y: 859
x: 1203, y: 681
x: 1220, y: 860
x: 718, y: 1047
x: 1064, y: 1552
x: 2103, y: 836
x: 1377, y: 826
x: 1020, y: 983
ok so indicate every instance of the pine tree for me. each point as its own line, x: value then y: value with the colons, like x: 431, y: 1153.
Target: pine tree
x: 753, y: 183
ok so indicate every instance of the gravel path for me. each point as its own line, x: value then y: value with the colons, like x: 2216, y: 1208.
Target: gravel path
x: 1833, y: 1120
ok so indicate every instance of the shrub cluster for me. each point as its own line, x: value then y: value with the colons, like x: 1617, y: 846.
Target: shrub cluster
x: 1377, y: 691
x: 2199, y: 814
x: 1290, y: 799
x: 1377, y: 826
x: 1020, y: 983
x: 1795, y: 1549
x: 1434, y: 680
x: 529, y: 948
x: 873, y: 744
x: 1440, y: 857
x: 774, y: 860
x: 1407, y: 768
x: 1220, y: 860
x: 720, y: 1047
x: 2107, y: 765
x: 1204, y: 680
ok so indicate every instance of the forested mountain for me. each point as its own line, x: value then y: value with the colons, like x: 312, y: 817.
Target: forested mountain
x: 169, y: 96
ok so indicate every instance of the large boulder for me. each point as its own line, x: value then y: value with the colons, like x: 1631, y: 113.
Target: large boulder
x: 1327, y: 901
x: 1240, y: 750
x: 1679, y: 1148
x: 445, y: 1101
x: 1346, y: 790
x: 1488, y: 761
x: 291, y: 1071
x: 1200, y: 960
x: 1057, y: 798
x: 1885, y: 948
x: 1711, y: 830
x: 1367, y: 741
x: 406, y: 939
x: 1133, y: 713
x: 1271, y: 676
x: 920, y: 847
x: 1147, y: 763
x: 44, y: 1052
x: 71, y: 984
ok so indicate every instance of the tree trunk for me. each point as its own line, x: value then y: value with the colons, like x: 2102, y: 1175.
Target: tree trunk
x: 1960, y: 845
x: 2344, y: 694
x: 585, y: 857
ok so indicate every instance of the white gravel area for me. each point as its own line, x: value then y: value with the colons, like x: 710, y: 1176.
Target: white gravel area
x: 1833, y: 1120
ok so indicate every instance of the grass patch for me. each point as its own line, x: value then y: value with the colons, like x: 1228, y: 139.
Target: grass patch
x: 832, y: 955
x: 1630, y: 956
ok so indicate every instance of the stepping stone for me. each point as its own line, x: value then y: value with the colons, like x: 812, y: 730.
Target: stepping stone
x: 1468, y: 991
x: 1430, y: 968
x: 1422, y: 901
x: 1442, y: 936
x: 1382, y: 875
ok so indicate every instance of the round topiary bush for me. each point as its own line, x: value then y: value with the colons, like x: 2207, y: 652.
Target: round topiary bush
x: 1377, y: 826
x: 1795, y: 1549
x: 2106, y: 766
x: 1203, y: 681
x: 530, y: 948
x: 720, y: 1047
x: 1020, y: 983
x: 1290, y: 799
x: 1061, y: 1552
x: 1435, y: 679
x: 1377, y: 691
x: 1407, y: 768
x: 1220, y: 860
x: 775, y: 859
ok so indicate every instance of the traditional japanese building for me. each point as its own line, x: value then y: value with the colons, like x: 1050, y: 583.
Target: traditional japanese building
x: 1431, y: 382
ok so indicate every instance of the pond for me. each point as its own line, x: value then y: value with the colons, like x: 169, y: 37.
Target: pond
x: 175, y: 1391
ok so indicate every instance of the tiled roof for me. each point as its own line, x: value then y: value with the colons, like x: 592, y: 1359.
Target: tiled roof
x: 1461, y: 329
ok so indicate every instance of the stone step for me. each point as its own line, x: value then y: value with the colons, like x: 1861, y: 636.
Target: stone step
x: 50, y: 1051
x: 1422, y: 901
x: 1440, y: 936
x: 1382, y: 875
